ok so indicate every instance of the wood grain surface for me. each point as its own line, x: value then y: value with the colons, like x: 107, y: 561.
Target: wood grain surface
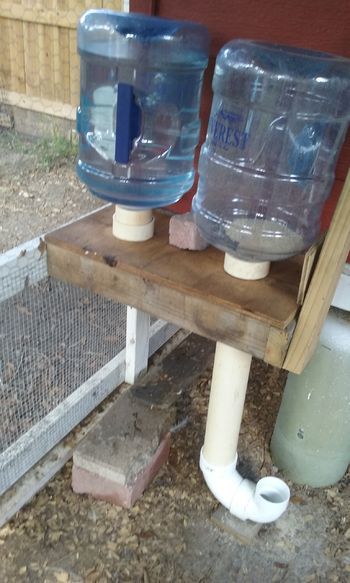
x: 187, y: 288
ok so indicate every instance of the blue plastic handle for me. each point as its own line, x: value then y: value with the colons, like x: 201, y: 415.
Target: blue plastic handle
x: 128, y: 123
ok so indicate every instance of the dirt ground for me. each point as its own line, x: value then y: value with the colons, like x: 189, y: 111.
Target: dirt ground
x: 37, y: 192
x: 168, y: 536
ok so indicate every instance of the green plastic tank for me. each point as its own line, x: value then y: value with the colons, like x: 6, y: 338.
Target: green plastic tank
x: 311, y: 439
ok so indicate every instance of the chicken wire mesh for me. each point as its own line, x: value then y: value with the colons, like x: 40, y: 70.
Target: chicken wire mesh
x: 53, y: 338
x: 61, y: 353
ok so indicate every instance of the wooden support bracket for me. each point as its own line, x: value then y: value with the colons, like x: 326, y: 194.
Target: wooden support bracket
x: 322, y: 286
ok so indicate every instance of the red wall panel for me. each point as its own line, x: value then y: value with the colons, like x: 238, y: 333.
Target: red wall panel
x: 315, y: 24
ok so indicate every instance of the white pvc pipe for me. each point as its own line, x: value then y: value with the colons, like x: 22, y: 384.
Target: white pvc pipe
x: 226, y: 403
x: 268, y: 499
x: 131, y: 224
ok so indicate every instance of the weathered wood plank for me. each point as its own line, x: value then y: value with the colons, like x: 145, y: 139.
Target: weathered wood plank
x: 190, y: 290
x: 137, y: 343
x: 271, y: 300
x: 5, y: 63
x: 192, y: 313
x: 277, y: 344
x: 16, y: 51
x: 74, y: 68
x: 322, y: 286
x: 310, y: 260
x: 63, y: 75
x: 41, y: 15
x: 34, y: 103
x: 21, y: 266
x: 31, y: 58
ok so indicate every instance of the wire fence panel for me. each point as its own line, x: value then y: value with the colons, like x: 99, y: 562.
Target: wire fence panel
x: 22, y: 266
x: 53, y: 338
x: 62, y: 351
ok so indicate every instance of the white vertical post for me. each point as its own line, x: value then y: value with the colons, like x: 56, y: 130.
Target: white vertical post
x: 137, y: 343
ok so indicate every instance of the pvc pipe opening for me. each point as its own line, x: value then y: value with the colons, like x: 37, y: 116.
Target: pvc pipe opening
x: 271, y: 497
x: 263, y: 502
x: 272, y: 490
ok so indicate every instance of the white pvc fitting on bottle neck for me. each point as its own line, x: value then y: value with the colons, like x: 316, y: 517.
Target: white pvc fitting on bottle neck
x: 245, y: 269
x: 133, y: 224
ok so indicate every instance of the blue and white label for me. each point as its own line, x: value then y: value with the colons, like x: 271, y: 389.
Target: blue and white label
x: 225, y: 130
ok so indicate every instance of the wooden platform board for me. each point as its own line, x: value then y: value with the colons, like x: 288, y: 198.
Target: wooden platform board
x: 188, y: 288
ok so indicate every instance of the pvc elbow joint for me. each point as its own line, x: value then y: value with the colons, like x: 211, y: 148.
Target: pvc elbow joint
x: 262, y: 502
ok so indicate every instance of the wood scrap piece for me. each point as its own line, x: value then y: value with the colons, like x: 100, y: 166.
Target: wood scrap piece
x: 243, y: 530
x: 310, y: 260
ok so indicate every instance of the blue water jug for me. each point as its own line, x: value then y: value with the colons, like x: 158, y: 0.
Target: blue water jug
x: 138, y: 119
x: 278, y: 119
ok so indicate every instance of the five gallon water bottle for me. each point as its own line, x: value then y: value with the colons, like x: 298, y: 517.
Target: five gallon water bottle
x: 278, y: 119
x: 138, y: 118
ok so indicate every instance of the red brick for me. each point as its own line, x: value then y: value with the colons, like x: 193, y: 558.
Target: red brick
x: 184, y: 233
x: 102, y: 488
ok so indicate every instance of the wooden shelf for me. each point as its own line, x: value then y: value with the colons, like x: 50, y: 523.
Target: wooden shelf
x: 187, y: 288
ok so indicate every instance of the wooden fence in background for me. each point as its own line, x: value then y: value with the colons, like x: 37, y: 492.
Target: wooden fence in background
x: 39, y: 65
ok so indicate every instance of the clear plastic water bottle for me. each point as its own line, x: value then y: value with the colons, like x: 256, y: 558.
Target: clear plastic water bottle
x: 138, y: 119
x: 278, y: 119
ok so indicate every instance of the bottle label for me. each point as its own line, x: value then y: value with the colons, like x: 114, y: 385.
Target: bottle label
x: 226, y: 132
